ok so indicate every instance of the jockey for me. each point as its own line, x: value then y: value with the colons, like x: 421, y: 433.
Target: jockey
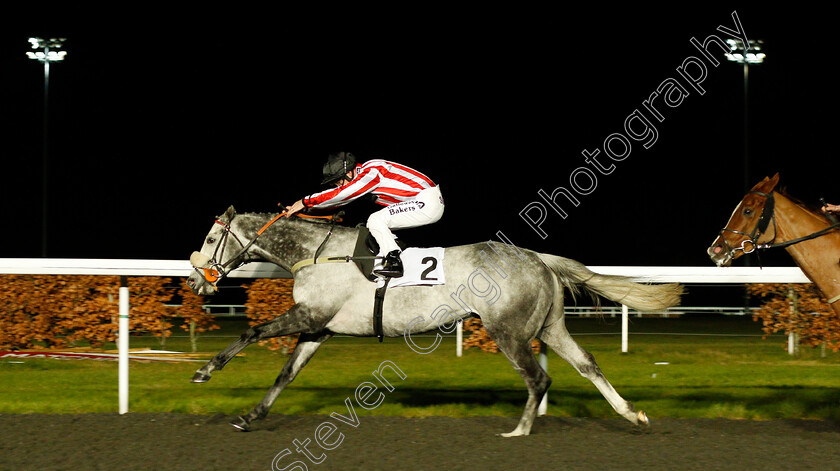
x: 410, y: 198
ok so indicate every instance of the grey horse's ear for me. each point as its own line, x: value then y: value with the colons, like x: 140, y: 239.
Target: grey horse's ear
x: 229, y: 214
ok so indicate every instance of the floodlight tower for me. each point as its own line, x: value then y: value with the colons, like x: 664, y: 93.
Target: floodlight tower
x: 746, y: 54
x: 751, y: 53
x: 47, y: 52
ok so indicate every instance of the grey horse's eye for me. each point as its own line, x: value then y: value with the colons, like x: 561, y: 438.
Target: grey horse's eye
x: 211, y: 240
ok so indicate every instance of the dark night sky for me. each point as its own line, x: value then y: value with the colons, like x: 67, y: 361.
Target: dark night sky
x: 242, y: 108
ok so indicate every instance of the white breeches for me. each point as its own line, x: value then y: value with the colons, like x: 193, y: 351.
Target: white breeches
x: 425, y: 208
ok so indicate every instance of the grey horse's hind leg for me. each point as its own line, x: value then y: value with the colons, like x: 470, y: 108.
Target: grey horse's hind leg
x: 297, y: 319
x: 536, y: 379
x: 306, y: 347
x: 559, y: 339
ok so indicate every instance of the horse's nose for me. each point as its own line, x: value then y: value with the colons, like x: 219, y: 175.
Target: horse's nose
x: 717, y: 249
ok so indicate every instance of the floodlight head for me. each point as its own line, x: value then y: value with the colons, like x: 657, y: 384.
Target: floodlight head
x: 47, y: 54
x: 751, y: 54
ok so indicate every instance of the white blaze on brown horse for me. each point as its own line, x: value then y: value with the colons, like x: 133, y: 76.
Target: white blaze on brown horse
x: 767, y: 218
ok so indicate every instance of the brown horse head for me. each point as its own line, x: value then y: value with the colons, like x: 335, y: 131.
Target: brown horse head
x: 748, y: 223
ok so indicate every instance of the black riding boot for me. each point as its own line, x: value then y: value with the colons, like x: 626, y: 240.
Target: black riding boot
x: 391, y: 267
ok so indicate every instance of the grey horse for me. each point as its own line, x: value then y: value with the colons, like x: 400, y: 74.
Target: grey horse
x: 517, y: 293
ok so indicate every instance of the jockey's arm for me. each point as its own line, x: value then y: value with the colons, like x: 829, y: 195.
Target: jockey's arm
x: 346, y: 190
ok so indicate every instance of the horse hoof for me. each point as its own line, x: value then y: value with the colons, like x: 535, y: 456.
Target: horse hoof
x: 517, y: 432
x: 241, y: 424
x: 200, y: 377
x: 643, y: 418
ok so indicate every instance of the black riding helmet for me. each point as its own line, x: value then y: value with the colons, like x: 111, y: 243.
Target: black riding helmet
x: 337, y: 166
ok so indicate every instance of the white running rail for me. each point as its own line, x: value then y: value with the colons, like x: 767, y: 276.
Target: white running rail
x: 129, y: 267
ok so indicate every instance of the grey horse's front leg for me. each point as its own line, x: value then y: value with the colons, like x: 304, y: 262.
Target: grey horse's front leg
x: 306, y: 347
x: 298, y: 318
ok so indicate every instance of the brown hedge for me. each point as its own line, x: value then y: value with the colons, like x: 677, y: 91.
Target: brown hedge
x: 57, y: 311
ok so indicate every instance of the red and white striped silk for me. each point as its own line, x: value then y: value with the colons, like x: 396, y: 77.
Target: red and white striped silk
x: 389, y: 181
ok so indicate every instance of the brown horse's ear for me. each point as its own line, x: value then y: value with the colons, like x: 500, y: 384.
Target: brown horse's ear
x: 767, y: 185
x: 760, y: 185
x: 771, y: 183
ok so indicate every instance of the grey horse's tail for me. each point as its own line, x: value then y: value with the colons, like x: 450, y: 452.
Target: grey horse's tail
x: 621, y: 289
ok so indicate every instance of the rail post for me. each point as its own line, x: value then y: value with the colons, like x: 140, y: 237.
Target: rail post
x: 122, y: 346
x: 459, y: 338
x: 625, y: 327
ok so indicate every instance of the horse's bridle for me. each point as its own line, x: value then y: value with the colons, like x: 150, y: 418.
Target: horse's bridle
x: 212, y: 271
x: 767, y: 215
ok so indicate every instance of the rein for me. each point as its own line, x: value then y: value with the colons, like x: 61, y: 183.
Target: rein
x: 801, y: 239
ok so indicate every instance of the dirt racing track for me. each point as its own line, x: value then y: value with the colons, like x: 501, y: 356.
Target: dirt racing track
x: 190, y: 442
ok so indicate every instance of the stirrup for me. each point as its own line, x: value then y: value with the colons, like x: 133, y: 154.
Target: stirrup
x: 391, y: 267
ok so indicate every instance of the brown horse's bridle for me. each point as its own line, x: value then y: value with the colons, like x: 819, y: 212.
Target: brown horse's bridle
x: 767, y: 215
